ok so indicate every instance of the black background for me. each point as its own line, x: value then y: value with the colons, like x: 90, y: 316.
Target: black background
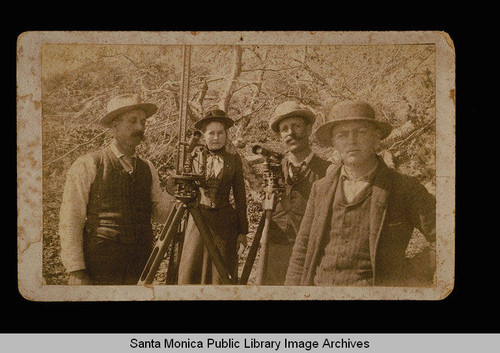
x: 472, y: 306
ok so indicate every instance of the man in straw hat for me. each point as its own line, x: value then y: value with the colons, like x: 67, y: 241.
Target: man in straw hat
x: 301, y: 167
x: 109, y: 199
x: 360, y: 217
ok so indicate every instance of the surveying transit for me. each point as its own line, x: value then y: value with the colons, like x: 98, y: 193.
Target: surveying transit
x: 186, y: 181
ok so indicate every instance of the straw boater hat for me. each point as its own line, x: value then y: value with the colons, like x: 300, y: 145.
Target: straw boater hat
x: 215, y: 115
x: 289, y: 109
x: 349, y: 111
x: 125, y: 103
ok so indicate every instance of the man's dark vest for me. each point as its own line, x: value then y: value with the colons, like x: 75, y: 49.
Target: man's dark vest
x: 120, y: 205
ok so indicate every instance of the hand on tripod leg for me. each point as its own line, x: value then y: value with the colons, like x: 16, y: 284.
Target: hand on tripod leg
x: 241, y: 243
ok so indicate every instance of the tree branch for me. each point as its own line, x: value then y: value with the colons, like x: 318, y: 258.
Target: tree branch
x: 227, y: 95
x: 77, y: 147
x: 414, y: 134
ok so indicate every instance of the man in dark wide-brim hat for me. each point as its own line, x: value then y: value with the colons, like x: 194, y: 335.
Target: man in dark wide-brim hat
x: 109, y: 199
x: 360, y: 217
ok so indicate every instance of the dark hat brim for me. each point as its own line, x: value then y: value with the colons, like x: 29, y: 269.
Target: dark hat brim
x: 149, y: 108
x: 301, y: 113
x: 323, y: 133
x: 226, y: 121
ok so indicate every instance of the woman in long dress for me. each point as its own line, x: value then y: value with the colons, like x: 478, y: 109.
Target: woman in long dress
x: 228, y: 224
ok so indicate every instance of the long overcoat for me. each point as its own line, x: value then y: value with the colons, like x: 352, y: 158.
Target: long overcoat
x: 399, y: 204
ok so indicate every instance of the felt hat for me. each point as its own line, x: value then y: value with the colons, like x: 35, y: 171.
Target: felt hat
x: 125, y: 103
x: 214, y: 115
x: 288, y: 109
x: 349, y: 111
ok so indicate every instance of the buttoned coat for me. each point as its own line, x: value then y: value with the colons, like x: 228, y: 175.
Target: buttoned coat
x: 292, y: 204
x: 225, y: 221
x: 399, y: 204
x: 287, y: 217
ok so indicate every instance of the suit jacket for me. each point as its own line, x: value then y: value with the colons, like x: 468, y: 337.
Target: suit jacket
x: 292, y: 205
x: 399, y: 203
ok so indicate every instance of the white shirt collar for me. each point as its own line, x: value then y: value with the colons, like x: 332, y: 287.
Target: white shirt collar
x: 293, y: 160
x: 117, y: 152
x: 365, y: 177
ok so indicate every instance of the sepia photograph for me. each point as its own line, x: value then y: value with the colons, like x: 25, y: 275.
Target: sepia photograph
x: 158, y: 166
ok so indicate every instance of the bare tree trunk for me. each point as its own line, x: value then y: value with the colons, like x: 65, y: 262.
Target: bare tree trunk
x: 245, y: 119
x: 227, y: 95
x: 253, y: 181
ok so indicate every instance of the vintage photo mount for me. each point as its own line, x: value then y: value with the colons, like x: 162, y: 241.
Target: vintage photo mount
x: 29, y: 168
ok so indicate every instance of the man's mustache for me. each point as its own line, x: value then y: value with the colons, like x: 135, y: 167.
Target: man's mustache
x: 139, y: 134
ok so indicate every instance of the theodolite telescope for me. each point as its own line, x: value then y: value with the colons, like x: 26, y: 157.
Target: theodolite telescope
x: 272, y: 177
x: 267, y: 153
x: 186, y: 180
x: 272, y: 173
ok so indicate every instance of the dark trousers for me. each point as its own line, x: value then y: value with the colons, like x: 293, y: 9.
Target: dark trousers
x: 279, y: 249
x: 112, y: 263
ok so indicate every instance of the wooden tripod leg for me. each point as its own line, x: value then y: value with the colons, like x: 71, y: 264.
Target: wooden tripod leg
x: 175, y: 254
x: 262, y: 268
x: 213, y: 252
x: 166, y: 236
x: 252, y: 253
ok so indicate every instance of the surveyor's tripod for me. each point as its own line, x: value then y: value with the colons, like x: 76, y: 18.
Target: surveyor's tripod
x: 272, y: 182
x: 187, y: 197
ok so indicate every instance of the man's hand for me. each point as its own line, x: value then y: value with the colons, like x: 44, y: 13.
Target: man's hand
x: 79, y: 277
x: 241, y: 243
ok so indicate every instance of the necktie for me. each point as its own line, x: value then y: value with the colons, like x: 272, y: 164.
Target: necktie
x: 128, y: 163
x: 295, y: 171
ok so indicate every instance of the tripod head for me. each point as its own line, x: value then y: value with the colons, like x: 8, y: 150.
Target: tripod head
x: 272, y: 175
x: 189, y: 175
